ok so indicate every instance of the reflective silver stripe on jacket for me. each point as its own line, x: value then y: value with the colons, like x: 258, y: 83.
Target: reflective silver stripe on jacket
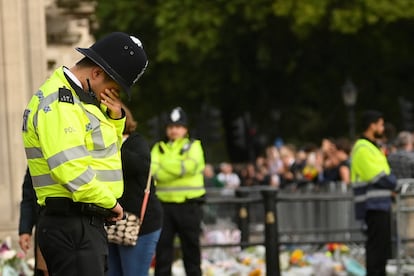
x: 82, y: 179
x: 365, y: 183
x: 372, y: 194
x: 97, y: 136
x: 33, y: 153
x: 67, y: 155
x: 111, y: 150
x: 44, y: 104
x: 86, y: 177
x: 183, y: 170
x: 42, y: 180
x: 356, y: 185
x: 182, y: 188
x: 109, y: 175
x: 378, y: 176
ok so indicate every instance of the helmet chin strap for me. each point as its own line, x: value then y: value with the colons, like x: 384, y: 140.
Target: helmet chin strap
x: 91, y: 93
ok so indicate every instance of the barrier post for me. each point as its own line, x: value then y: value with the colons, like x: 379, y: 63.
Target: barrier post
x: 271, y: 231
x: 243, y: 216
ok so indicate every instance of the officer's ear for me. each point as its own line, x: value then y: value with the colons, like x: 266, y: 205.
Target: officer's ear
x: 97, y: 72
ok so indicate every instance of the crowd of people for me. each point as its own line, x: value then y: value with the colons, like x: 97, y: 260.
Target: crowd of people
x: 287, y: 167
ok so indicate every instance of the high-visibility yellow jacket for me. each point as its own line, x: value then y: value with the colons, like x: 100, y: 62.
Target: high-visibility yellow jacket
x: 72, y: 145
x: 371, y: 177
x: 177, y: 168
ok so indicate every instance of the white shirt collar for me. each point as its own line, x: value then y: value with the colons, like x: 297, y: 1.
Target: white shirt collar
x: 72, y: 76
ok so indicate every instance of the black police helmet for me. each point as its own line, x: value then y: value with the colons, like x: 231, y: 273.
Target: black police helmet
x: 177, y: 117
x: 121, y: 56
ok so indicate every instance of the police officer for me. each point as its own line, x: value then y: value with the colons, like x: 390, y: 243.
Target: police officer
x: 177, y: 166
x: 373, y: 186
x: 72, y: 133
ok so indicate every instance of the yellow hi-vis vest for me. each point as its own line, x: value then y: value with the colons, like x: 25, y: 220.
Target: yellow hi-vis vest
x: 369, y: 166
x: 368, y: 162
x: 177, y: 168
x: 72, y: 147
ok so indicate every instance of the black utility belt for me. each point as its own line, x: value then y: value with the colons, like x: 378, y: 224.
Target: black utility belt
x: 63, y: 206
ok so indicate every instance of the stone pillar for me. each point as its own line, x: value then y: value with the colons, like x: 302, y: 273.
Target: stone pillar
x: 22, y: 70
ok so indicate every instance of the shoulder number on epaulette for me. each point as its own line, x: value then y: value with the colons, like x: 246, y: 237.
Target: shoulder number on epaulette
x: 65, y: 95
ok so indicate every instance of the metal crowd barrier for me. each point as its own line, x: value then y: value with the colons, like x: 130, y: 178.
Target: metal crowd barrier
x: 318, y: 214
x: 309, y: 215
x: 404, y: 228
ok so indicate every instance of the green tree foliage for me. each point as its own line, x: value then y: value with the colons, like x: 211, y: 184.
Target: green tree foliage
x: 266, y: 57
x: 341, y: 16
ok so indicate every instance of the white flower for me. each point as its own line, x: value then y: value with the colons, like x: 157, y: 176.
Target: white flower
x: 8, y: 255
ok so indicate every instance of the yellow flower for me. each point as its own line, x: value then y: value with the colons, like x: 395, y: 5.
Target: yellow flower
x: 256, y: 272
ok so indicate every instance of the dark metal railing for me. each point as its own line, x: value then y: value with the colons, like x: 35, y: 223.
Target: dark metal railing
x: 274, y: 209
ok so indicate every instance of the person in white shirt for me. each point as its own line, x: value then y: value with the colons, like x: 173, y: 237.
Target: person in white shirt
x: 228, y: 177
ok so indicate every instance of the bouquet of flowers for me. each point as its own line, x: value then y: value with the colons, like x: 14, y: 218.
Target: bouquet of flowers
x: 12, y: 263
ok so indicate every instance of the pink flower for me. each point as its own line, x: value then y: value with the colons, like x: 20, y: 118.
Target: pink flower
x: 20, y: 255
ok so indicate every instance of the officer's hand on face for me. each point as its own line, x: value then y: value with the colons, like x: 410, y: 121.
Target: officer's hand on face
x: 118, y: 211
x: 25, y: 242
x: 110, y: 98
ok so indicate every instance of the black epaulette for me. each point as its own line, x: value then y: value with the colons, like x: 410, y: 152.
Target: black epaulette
x: 65, y: 95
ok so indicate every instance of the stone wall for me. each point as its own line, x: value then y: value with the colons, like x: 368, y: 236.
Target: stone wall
x: 31, y: 46
x: 22, y: 68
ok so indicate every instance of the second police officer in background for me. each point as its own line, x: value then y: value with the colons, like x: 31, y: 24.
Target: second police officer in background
x: 177, y: 165
x: 373, y: 186
x: 72, y: 133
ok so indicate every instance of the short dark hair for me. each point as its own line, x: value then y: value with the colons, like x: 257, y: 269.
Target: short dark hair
x: 88, y: 63
x: 343, y: 144
x: 369, y: 117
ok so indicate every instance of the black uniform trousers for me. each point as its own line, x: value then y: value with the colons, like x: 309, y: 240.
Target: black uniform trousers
x: 183, y: 219
x: 73, y: 244
x: 378, y: 244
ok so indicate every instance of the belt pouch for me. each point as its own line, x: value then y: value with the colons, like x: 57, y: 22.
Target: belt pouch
x: 94, y: 210
x: 58, y: 206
